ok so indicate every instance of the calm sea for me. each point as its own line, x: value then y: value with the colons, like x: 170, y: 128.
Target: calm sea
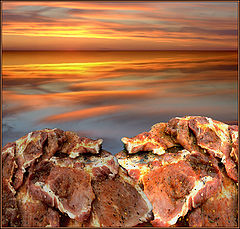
x: 112, y: 94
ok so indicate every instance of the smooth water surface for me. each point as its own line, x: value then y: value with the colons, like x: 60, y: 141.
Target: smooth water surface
x: 110, y: 94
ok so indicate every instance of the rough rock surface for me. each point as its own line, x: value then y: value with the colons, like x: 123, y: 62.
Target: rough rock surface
x: 55, y: 178
x: 180, y: 173
x: 219, y: 210
x: 187, y: 168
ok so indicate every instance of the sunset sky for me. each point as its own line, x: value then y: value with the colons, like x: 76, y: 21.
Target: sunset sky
x: 89, y: 25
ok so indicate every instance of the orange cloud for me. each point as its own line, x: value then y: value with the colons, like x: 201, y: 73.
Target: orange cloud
x: 85, y: 113
x: 103, y: 70
x: 111, y: 25
x: 40, y: 101
x: 83, y: 5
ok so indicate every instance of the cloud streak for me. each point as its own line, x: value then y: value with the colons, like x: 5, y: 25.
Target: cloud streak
x: 138, y: 25
x: 112, y: 79
x: 84, y: 114
x: 114, y: 94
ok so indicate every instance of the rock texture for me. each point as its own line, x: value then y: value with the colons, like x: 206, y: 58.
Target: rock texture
x: 188, y: 168
x: 180, y: 173
x: 55, y: 178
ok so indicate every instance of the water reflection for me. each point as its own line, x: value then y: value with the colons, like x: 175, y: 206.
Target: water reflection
x: 114, y: 94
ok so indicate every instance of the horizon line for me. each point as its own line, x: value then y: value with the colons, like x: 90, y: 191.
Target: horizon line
x: 113, y: 50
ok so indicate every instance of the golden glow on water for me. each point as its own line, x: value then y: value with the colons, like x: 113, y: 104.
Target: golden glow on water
x: 97, y: 91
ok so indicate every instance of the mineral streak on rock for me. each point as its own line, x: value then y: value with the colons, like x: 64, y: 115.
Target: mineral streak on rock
x: 54, y: 178
x: 180, y: 173
x: 185, y: 167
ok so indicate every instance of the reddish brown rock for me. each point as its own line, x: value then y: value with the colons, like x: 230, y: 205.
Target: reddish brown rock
x: 174, y: 183
x: 221, y: 210
x: 185, y: 177
x: 54, y: 178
